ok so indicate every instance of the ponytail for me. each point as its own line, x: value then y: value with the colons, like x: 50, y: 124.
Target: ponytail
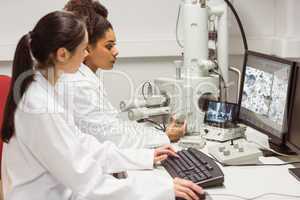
x: 22, y: 62
x: 53, y: 31
x: 100, y: 9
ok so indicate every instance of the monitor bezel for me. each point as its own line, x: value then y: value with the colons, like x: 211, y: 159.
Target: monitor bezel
x: 272, y: 138
x: 293, y: 147
x: 221, y: 124
x: 289, y: 144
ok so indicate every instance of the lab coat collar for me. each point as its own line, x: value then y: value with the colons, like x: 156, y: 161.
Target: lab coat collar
x: 88, y: 73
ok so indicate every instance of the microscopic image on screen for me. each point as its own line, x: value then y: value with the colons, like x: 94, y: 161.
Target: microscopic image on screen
x: 265, y: 93
x: 257, y: 91
x: 280, y: 85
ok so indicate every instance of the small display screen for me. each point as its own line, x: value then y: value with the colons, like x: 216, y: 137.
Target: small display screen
x: 221, y: 113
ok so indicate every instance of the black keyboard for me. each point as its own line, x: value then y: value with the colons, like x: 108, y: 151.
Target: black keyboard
x: 195, y: 166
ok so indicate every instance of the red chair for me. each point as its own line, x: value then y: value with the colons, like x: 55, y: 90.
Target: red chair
x: 4, y: 89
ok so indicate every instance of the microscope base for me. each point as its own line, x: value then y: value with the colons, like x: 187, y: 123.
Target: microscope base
x: 224, y: 134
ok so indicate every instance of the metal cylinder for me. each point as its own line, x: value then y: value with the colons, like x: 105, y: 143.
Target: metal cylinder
x: 142, y: 113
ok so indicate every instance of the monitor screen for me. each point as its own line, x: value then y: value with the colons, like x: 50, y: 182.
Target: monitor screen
x: 221, y: 113
x: 264, y: 97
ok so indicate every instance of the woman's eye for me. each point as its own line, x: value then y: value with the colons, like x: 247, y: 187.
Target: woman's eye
x: 109, y: 47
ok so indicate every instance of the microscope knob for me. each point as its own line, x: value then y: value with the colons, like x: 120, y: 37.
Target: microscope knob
x: 221, y: 149
x: 226, y: 153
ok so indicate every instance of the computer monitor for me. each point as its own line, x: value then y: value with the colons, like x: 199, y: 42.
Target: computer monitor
x: 293, y: 137
x: 221, y: 114
x: 265, y: 94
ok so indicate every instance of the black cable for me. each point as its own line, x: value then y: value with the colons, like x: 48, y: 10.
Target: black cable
x: 239, y: 23
x: 177, y: 25
x: 158, y: 126
x: 222, y: 80
x: 164, y: 126
x: 244, y: 38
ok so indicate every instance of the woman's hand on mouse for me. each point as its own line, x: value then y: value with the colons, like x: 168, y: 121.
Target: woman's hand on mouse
x: 187, y: 189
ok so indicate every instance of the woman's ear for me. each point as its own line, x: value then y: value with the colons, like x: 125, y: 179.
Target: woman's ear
x: 62, y: 55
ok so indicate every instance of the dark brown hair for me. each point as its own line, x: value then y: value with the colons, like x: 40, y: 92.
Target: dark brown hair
x: 53, y: 31
x: 95, y: 16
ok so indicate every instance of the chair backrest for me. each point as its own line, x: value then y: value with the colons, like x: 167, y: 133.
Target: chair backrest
x: 4, y: 89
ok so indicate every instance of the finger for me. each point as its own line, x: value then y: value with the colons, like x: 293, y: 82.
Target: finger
x: 172, y: 124
x: 188, y: 191
x: 167, y: 151
x: 183, y: 195
x: 192, y: 185
x: 171, y: 148
x: 183, y: 127
x: 160, y: 158
x: 185, y: 124
x: 168, y: 146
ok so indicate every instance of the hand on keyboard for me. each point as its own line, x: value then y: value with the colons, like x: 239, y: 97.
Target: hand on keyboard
x: 163, y: 152
x: 187, y: 190
x: 195, y: 166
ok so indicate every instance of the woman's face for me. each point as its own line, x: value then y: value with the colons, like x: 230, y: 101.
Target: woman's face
x: 104, y: 53
x: 70, y: 62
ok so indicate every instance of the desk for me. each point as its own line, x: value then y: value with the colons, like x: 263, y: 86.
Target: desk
x: 248, y: 181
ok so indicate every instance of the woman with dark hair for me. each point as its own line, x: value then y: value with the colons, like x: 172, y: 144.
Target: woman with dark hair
x: 94, y: 114
x: 45, y: 156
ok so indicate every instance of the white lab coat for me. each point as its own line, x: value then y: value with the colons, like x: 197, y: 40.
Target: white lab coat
x: 48, y: 158
x: 94, y: 114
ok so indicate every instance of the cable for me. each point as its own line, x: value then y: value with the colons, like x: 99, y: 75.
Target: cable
x: 244, y: 38
x: 222, y: 79
x: 158, y: 126
x: 256, y: 197
x: 269, y: 149
x: 177, y: 25
x: 239, y: 23
x: 164, y: 126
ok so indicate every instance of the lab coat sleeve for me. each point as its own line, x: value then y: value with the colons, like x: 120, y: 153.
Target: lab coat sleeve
x: 95, y: 115
x: 61, y: 152
x: 118, y: 159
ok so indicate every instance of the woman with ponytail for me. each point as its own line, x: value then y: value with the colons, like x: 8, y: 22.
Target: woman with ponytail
x: 45, y: 156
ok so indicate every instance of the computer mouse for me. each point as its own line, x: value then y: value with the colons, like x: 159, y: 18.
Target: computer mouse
x: 203, y: 196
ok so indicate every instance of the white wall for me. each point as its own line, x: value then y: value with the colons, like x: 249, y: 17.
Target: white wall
x: 270, y: 25
x: 5, y: 67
